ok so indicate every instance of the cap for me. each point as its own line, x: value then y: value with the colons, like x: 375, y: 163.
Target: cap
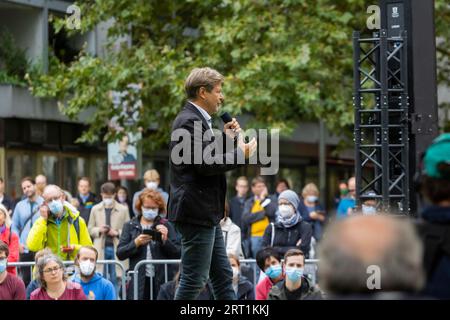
x: 438, y: 153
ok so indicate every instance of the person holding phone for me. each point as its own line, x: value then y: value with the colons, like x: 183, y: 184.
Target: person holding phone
x: 59, y: 227
x: 148, y: 236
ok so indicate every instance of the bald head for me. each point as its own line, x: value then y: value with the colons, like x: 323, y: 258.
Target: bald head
x: 41, y: 179
x: 41, y: 183
x: 52, y: 192
x: 349, y: 247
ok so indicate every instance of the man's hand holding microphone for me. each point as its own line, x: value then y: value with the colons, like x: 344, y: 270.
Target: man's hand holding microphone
x: 233, y: 130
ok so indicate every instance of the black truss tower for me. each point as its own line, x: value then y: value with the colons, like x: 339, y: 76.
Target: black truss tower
x: 381, y: 131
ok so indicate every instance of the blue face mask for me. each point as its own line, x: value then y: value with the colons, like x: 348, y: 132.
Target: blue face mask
x: 150, y: 214
x: 311, y: 199
x: 273, y: 272
x: 3, y: 263
x: 56, y: 207
x: 294, y: 274
x: 368, y: 210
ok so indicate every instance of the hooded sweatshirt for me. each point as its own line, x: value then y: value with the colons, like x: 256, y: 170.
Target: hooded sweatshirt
x: 102, y: 288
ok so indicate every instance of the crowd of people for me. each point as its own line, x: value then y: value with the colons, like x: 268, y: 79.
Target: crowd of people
x: 279, y: 230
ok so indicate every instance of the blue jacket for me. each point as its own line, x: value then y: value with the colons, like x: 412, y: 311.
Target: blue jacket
x: 21, y: 224
x: 102, y: 288
x: 316, y: 224
x: 438, y: 268
x: 33, y: 285
x: 343, y: 207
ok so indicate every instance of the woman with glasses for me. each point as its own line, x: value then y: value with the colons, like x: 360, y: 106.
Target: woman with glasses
x: 50, y: 273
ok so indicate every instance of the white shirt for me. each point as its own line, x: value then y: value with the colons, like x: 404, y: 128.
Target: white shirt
x: 204, y: 114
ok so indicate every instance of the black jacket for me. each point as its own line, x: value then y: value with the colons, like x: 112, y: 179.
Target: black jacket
x: 8, y: 203
x: 167, y: 292
x: 85, y: 207
x: 287, y: 238
x: 305, y: 292
x: 236, y: 210
x: 127, y: 250
x: 248, y: 218
x: 246, y: 290
x: 435, y: 233
x: 197, y: 189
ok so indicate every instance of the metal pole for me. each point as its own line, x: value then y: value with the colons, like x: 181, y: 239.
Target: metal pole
x: 357, y: 106
x: 405, y: 115
x: 322, y: 164
x: 384, y: 121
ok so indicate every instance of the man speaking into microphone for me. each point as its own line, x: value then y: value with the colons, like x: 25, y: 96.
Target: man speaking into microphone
x: 198, y: 188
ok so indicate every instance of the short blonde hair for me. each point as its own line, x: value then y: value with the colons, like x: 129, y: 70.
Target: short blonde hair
x: 151, y: 175
x: 310, y: 188
x: 201, y: 77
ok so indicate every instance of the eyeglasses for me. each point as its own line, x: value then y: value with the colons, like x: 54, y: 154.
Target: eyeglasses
x: 52, y: 269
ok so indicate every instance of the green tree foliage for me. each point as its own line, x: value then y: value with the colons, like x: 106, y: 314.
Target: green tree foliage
x: 13, y: 61
x: 285, y: 61
x: 442, y: 14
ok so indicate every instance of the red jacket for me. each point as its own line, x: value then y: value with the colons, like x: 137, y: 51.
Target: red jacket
x: 13, y: 248
x: 263, y: 288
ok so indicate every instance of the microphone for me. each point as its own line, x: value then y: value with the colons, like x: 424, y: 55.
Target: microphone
x: 227, y: 118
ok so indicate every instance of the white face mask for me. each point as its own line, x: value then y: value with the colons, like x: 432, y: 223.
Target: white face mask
x: 108, y: 202
x: 286, y: 210
x: 87, y: 267
x: 151, y: 185
x: 311, y: 199
x: 235, y: 272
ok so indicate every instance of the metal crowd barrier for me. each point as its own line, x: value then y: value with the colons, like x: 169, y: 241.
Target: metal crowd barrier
x: 68, y: 263
x: 310, y: 270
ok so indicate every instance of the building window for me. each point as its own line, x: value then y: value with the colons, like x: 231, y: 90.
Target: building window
x: 74, y: 168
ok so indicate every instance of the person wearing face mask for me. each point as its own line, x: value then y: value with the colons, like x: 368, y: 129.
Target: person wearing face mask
x: 123, y: 198
x: 9, y: 237
x: 268, y: 260
x: 289, y: 231
x: 241, y: 285
x: 95, y: 287
x: 295, y: 285
x: 152, y: 181
x: 59, y: 226
x: 105, y: 227
x: 135, y: 245
x: 343, y: 192
x: 11, y: 287
x: 311, y: 211
x: 369, y: 203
